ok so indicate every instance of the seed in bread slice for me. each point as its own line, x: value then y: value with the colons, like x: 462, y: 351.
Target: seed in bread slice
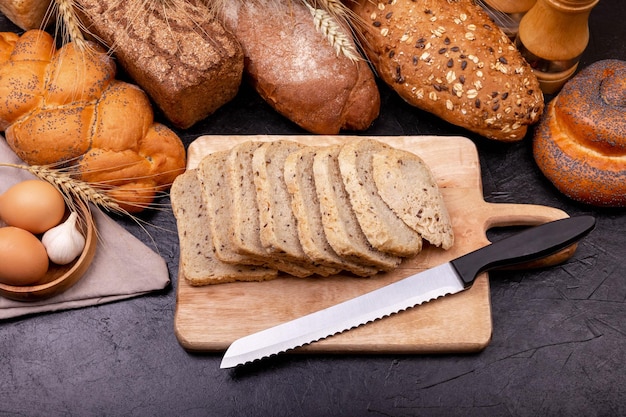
x: 384, y: 230
x: 199, y: 264
x: 278, y: 226
x: 245, y: 211
x: 408, y: 187
x: 306, y: 209
x: 338, y: 219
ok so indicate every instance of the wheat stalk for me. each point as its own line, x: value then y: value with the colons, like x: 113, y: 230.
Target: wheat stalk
x: 328, y: 26
x: 71, y: 188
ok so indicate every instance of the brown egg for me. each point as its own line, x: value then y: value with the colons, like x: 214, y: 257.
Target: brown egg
x: 23, y: 258
x: 33, y: 205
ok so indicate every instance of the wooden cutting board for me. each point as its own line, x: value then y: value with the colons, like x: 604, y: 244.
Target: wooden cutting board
x: 210, y: 318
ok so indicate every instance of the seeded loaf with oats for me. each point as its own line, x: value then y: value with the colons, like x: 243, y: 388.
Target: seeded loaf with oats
x: 292, y: 65
x: 449, y: 58
x: 199, y: 264
x: 305, y: 205
x: 279, y: 230
x: 404, y: 181
x: 383, y: 229
x: 177, y: 51
x: 338, y: 219
x: 245, y: 210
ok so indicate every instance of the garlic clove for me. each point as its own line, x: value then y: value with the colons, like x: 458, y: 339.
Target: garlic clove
x: 64, y: 242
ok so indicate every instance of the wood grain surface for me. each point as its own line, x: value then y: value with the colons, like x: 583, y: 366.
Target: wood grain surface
x: 210, y: 318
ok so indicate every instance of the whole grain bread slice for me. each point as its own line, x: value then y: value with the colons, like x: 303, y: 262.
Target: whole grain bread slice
x: 218, y: 200
x: 338, y: 219
x: 245, y: 211
x: 199, y: 264
x: 278, y: 225
x: 408, y: 187
x: 384, y: 230
x: 300, y: 183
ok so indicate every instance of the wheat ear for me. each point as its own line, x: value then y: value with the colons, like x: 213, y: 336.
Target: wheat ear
x: 71, y: 188
x: 328, y: 26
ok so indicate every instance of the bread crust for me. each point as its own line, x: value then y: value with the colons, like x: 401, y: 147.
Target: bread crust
x: 580, y: 144
x: 180, y: 54
x: 296, y: 70
x: 450, y: 59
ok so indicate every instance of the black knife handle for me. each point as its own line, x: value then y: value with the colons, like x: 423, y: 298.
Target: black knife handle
x: 529, y: 245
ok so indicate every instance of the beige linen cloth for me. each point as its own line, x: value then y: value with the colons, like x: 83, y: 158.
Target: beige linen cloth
x: 122, y: 267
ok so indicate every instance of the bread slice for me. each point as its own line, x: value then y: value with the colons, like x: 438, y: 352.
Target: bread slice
x: 199, y: 264
x: 338, y: 219
x: 245, y: 211
x: 407, y: 185
x: 305, y: 205
x: 278, y: 226
x: 218, y: 200
x: 384, y: 230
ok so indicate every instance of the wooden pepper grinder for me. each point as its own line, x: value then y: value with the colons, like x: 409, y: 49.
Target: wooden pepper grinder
x: 552, y: 36
x: 507, y: 13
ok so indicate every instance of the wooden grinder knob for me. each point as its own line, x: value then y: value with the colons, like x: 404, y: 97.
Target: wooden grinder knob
x: 552, y: 36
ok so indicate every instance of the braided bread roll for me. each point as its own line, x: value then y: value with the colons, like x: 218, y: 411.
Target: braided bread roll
x: 580, y: 143
x: 66, y: 107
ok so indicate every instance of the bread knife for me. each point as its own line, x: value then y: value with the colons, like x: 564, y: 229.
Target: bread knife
x: 449, y: 278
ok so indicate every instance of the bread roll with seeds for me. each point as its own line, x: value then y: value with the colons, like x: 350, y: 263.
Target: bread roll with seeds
x: 580, y: 143
x: 449, y: 58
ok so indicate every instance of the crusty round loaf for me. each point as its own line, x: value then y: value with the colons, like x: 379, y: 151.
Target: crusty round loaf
x: 580, y: 144
x: 65, y: 108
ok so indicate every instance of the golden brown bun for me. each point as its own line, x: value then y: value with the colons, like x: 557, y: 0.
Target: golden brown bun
x: 450, y: 59
x: 66, y: 106
x: 580, y: 144
x: 27, y: 14
x: 296, y: 70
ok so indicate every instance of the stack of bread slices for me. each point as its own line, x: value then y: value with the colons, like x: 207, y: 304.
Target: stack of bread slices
x: 259, y: 209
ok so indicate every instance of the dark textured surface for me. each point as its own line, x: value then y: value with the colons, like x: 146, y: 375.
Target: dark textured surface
x: 559, y: 334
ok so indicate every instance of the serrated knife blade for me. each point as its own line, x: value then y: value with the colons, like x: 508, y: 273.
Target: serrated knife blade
x: 443, y: 280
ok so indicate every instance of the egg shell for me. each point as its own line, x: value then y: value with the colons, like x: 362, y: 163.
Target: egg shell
x: 33, y: 205
x: 23, y: 258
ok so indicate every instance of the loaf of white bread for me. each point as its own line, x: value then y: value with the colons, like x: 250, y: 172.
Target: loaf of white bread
x: 260, y: 209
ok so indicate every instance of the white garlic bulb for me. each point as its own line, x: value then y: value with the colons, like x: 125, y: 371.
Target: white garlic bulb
x: 64, y: 242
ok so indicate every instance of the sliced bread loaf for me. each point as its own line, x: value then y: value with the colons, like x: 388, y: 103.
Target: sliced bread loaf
x: 305, y: 205
x: 245, y: 211
x: 338, y: 219
x: 278, y: 226
x: 199, y: 264
x: 408, y: 187
x: 384, y: 230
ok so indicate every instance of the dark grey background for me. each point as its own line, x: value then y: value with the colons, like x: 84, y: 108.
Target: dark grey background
x: 559, y: 335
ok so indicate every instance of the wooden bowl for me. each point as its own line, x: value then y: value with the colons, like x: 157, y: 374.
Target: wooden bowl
x: 59, y: 277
